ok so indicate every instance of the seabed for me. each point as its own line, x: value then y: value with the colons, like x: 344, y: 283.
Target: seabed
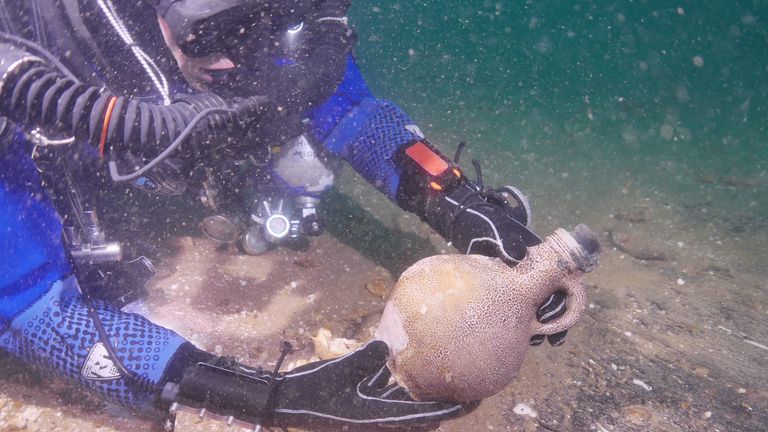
x: 674, y: 338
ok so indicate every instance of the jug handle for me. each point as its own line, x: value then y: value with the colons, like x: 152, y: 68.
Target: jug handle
x: 576, y: 302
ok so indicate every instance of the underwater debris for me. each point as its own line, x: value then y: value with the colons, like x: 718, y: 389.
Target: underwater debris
x: 328, y: 347
x: 635, y: 215
x: 378, y: 287
x: 524, y: 410
x: 744, y: 337
x: 641, y: 384
x: 635, y: 246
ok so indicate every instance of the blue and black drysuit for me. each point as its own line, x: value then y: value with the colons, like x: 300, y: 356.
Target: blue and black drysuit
x: 43, y: 317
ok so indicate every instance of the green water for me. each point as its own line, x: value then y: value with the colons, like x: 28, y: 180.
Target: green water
x: 672, y: 95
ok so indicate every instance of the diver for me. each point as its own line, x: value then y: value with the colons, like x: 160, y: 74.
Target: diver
x: 148, y: 91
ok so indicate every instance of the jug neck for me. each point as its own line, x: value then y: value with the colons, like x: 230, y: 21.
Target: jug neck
x: 577, y: 251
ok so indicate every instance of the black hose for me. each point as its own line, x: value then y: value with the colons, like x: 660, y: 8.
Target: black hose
x: 459, y: 149
x: 116, y: 176
x: 38, y: 49
x: 130, y: 377
x: 33, y: 93
x: 479, y: 173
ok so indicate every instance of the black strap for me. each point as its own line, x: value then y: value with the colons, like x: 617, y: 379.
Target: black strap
x: 6, y: 23
x: 162, y: 6
x: 39, y: 29
x: 83, y: 38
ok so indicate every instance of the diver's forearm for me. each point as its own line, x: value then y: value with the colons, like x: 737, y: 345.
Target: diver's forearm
x: 369, y: 137
x: 58, y: 334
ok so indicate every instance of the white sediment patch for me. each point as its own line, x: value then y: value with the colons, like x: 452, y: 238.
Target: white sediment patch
x: 642, y: 384
x: 524, y: 410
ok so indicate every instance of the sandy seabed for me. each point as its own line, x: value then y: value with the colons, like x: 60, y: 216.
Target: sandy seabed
x: 674, y: 338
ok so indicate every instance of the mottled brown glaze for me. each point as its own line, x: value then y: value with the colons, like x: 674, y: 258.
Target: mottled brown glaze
x: 458, y: 326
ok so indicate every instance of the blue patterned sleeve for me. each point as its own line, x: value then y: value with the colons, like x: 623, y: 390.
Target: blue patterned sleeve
x: 57, y: 335
x: 43, y: 319
x: 364, y: 131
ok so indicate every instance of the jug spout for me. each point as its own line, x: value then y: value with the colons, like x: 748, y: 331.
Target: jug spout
x: 580, y: 244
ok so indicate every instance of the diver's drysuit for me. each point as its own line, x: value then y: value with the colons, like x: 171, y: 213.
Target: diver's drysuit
x: 110, y: 89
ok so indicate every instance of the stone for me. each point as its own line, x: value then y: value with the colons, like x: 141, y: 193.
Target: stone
x: 635, y: 215
x: 378, y: 287
x: 328, y: 347
x: 17, y: 423
x: 31, y: 414
x: 636, y: 244
x: 186, y: 242
x: 701, y: 372
x: 524, y: 410
x: 638, y: 415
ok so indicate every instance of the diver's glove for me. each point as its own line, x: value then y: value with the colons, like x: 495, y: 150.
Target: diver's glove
x: 473, y: 218
x: 349, y: 390
x: 552, y: 309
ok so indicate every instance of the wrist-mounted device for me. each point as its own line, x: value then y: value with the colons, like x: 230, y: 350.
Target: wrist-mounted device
x: 471, y: 217
x: 222, y: 389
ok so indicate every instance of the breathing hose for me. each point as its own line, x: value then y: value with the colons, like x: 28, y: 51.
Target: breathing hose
x: 51, y: 98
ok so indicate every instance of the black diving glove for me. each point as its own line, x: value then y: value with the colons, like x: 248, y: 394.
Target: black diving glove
x: 473, y: 218
x: 551, y: 310
x: 351, y: 390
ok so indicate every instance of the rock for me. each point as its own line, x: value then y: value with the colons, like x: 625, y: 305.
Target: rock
x: 189, y: 421
x: 17, y: 423
x: 701, y: 372
x: 300, y: 362
x: 635, y: 215
x: 328, y: 347
x: 638, y: 415
x: 636, y: 245
x: 742, y: 182
x: 31, y: 414
x: 641, y: 384
x: 524, y: 410
x: 251, y: 268
x: 378, y: 287
x: 306, y: 261
x: 717, y: 270
x: 708, y: 178
x: 186, y: 242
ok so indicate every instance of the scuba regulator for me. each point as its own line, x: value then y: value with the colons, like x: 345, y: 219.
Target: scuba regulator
x: 256, y: 206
